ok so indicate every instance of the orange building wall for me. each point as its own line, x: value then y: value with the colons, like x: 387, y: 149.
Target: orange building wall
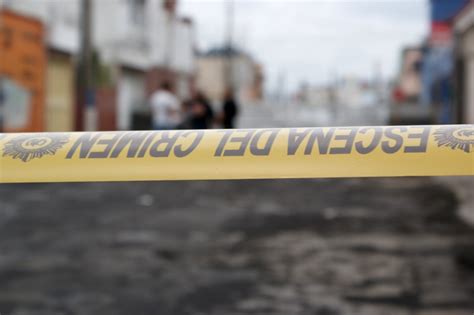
x: 23, y: 59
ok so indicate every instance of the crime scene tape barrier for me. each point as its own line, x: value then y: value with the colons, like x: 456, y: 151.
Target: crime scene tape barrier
x: 237, y: 154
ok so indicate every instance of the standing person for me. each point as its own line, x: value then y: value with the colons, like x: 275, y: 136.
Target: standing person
x: 166, y: 109
x: 229, y: 110
x: 202, y: 115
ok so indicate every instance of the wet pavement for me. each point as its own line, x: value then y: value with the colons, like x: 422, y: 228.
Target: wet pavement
x: 353, y: 246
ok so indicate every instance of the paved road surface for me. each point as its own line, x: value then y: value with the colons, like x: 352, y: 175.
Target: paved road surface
x: 372, y: 246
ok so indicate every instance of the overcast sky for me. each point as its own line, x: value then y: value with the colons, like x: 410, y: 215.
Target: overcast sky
x: 314, y: 40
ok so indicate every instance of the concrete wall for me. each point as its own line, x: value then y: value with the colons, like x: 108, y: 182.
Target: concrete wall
x: 60, y: 92
x: 210, y: 76
x: 60, y: 18
x: 157, y: 38
x: 182, y: 59
x: 244, y: 77
x: 469, y: 91
x: 211, y: 72
x: 319, y: 96
x: 32, y: 8
x: 131, y: 96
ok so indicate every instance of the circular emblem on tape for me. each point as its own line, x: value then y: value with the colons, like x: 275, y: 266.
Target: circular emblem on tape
x: 28, y: 147
x: 461, y: 138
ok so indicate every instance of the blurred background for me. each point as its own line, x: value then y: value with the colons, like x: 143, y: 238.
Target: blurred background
x: 327, y: 246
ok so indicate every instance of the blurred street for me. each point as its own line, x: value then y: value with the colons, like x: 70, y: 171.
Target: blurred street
x: 349, y: 246
x: 290, y: 114
x: 328, y: 246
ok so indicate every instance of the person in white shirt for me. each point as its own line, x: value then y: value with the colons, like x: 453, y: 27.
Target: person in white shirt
x: 166, y: 109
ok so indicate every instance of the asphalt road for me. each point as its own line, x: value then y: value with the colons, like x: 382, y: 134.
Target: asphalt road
x: 371, y: 246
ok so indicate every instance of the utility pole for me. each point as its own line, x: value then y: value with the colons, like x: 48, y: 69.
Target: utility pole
x: 86, y: 116
x: 229, y: 45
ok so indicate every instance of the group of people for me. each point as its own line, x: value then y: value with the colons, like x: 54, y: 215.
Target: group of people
x: 196, y: 113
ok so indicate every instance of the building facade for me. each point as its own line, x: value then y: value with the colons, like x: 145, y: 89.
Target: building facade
x: 23, y: 66
x: 60, y: 93
x: 221, y: 68
x: 141, y: 43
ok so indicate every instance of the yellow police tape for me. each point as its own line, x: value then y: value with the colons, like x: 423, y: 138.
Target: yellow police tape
x: 237, y: 154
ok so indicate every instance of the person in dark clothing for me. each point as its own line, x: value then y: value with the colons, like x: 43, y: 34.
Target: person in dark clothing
x: 229, y: 110
x: 201, y: 113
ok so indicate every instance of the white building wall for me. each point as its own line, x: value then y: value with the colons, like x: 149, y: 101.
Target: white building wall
x: 349, y: 92
x: 109, y: 22
x: 161, y: 39
x: 318, y: 96
x: 59, y: 18
x: 211, y: 79
x: 159, y: 27
x: 119, y: 36
x: 244, y: 76
x: 469, y: 90
x: 36, y: 9
x: 183, y: 51
x: 63, y: 23
x: 131, y: 95
x: 210, y: 76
